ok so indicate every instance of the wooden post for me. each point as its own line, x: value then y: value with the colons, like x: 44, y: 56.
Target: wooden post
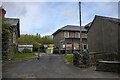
x: 65, y: 46
x: 38, y: 51
x: 80, y: 26
x: 72, y: 46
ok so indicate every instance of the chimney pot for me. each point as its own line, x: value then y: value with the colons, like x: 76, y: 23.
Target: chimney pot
x: 2, y: 12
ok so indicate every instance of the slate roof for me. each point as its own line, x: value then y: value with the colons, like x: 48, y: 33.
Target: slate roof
x: 116, y: 20
x: 70, y: 28
x: 109, y: 18
x: 13, y: 22
x: 30, y: 46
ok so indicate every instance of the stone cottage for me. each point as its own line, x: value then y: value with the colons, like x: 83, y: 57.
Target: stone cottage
x: 67, y: 39
x: 12, y: 42
x: 104, y: 43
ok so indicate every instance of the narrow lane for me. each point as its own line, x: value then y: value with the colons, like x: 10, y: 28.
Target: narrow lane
x: 50, y: 66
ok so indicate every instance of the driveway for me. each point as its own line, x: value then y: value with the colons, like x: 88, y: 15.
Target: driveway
x: 50, y: 66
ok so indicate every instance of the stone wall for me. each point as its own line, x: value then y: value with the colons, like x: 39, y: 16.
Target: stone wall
x: 111, y: 66
x: 92, y: 61
x: 94, y: 57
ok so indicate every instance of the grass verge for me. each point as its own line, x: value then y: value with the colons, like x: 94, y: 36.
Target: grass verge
x: 69, y: 58
x: 23, y: 56
x: 19, y: 56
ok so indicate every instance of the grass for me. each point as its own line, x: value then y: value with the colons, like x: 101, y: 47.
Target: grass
x: 19, y: 56
x: 23, y: 56
x: 69, y: 58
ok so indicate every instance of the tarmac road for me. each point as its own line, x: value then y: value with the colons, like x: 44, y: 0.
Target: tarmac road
x: 50, y: 66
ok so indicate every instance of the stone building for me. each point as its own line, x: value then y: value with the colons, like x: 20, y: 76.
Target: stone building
x: 104, y: 39
x: 67, y: 39
x: 12, y: 42
x: 22, y: 47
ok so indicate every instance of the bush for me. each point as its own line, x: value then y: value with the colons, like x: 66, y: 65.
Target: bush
x: 26, y: 50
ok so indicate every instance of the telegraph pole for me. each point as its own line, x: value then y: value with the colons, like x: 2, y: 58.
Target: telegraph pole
x: 80, y: 27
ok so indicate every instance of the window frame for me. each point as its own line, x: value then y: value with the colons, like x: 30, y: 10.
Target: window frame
x: 66, y: 34
x: 77, y: 34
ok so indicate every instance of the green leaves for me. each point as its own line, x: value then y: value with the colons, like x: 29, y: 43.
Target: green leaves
x: 34, y: 40
x: 6, y: 35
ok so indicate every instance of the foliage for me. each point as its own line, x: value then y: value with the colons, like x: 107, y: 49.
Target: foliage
x: 47, y: 40
x: 6, y: 30
x: 14, y: 48
x: 22, y: 56
x: 69, y: 58
x: 6, y: 35
x: 34, y: 40
x: 26, y: 50
x: 43, y: 50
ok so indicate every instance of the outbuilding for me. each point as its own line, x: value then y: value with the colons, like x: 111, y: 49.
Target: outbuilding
x: 22, y: 47
x: 104, y: 43
x: 104, y: 35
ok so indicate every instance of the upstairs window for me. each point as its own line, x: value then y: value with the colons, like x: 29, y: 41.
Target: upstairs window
x: 66, y: 34
x: 77, y: 35
x: 84, y: 35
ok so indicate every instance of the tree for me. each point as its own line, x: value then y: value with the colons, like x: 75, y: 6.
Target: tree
x: 47, y: 40
x: 34, y: 40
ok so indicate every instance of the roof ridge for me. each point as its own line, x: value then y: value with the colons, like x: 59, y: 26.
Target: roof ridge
x: 11, y: 18
x: 106, y: 17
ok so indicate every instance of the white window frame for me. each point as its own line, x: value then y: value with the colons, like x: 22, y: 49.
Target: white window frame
x: 77, y: 34
x: 84, y: 35
x: 66, y: 34
x: 86, y: 46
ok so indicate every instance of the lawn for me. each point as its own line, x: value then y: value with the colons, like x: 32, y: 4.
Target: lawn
x: 69, y: 58
x: 19, y: 56
x: 23, y: 56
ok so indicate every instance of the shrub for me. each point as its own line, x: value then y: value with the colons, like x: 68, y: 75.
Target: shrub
x: 26, y: 50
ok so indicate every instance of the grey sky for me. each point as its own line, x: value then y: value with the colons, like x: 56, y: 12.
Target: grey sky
x: 46, y: 17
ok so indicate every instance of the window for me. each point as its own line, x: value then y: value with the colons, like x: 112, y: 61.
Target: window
x: 63, y: 46
x: 84, y: 35
x: 71, y: 34
x: 68, y: 46
x: 85, y: 47
x: 77, y: 35
x: 66, y: 34
x: 76, y: 46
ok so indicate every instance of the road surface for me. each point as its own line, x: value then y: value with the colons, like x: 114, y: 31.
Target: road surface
x: 50, y: 66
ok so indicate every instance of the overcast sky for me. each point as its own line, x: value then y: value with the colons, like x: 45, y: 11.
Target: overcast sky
x: 46, y: 17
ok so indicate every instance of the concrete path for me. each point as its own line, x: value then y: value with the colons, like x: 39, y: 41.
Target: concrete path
x: 51, y: 66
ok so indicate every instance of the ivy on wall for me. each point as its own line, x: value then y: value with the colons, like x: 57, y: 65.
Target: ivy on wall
x: 6, y: 35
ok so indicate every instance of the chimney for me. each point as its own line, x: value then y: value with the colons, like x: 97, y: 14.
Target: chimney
x: 2, y: 12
